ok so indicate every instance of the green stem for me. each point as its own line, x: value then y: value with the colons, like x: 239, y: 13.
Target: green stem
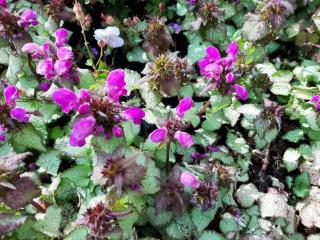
x: 167, y: 158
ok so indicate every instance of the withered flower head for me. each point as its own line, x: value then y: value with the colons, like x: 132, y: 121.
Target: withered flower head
x: 172, y: 196
x: 167, y: 73
x: 157, y: 37
x: 119, y: 170
x: 276, y: 12
x: 272, y: 113
x: 206, y: 195
x: 101, y: 220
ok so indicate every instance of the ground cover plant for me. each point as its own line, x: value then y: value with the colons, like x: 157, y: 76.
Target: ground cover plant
x: 160, y: 119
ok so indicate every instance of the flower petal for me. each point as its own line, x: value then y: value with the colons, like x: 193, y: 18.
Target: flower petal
x: 66, y: 99
x: 184, y: 105
x: 185, y: 139
x: 159, y: 135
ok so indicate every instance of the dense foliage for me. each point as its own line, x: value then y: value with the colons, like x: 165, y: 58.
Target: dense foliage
x: 160, y: 119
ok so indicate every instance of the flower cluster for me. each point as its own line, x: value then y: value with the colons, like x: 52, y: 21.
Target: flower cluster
x: 118, y: 169
x: 220, y: 71
x: 8, y: 108
x: 56, y: 60
x: 316, y: 100
x: 101, y: 220
x: 171, y: 128
x: 98, y: 115
x: 14, y: 25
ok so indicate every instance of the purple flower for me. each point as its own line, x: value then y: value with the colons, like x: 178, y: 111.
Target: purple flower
x: 117, y: 131
x: 241, y: 92
x: 3, y: 4
x: 176, y: 28
x: 3, y: 132
x: 185, y: 139
x: 115, y: 85
x: 66, y: 99
x: 64, y: 54
x: 213, y: 54
x: 316, y: 99
x: 28, y: 17
x: 184, y: 105
x: 229, y: 77
x: 81, y: 129
x: 62, y: 67
x: 189, y: 180
x: 159, y: 135
x: 11, y: 94
x: 61, y: 36
x: 46, y: 68
x: 135, y: 114
x: 232, y: 49
x: 19, y: 114
x: 44, y: 86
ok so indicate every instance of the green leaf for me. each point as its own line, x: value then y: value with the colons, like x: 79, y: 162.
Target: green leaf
x: 50, y: 223
x: 228, y: 224
x: 291, y: 159
x: 49, y: 162
x: 79, y: 175
x: 237, y: 144
x: 78, y: 234
x: 294, y: 135
x: 211, y: 235
x: 86, y: 78
x: 182, y: 8
x: 301, y: 185
x: 158, y: 219
x: 27, y: 138
x: 131, y: 130
x: 180, y: 227
x: 137, y: 55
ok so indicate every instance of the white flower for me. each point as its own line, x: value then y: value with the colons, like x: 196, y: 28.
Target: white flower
x: 109, y: 36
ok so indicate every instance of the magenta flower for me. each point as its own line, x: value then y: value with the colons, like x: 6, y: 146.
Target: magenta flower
x: 64, y: 53
x: 115, y: 85
x: 44, y: 86
x: 10, y: 111
x: 27, y: 18
x: 159, y: 135
x: 62, y: 67
x: 19, y: 114
x: 219, y: 71
x: 135, y: 114
x: 66, y: 99
x: 189, y: 180
x: 61, y: 36
x: 107, y: 114
x: 117, y: 131
x: 81, y: 129
x: 241, y: 92
x: 3, y: 4
x: 11, y: 94
x: 184, y: 105
x: 170, y: 128
x: 316, y: 100
x: 46, y: 68
x: 3, y: 132
x: 185, y: 139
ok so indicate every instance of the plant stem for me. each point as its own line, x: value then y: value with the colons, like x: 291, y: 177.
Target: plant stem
x: 87, y: 47
x: 204, y: 108
x: 167, y: 158
x: 38, y: 206
x: 100, y: 57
